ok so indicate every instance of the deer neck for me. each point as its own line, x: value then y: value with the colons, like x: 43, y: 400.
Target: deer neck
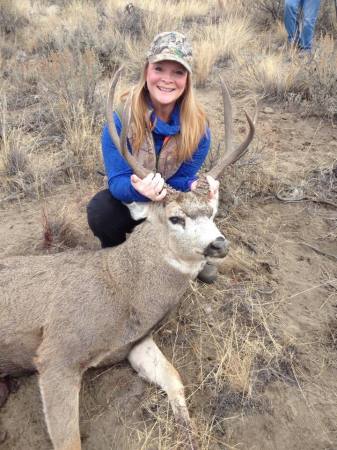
x: 186, y: 265
x: 167, y: 254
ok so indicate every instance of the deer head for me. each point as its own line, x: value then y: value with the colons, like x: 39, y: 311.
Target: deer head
x: 185, y: 218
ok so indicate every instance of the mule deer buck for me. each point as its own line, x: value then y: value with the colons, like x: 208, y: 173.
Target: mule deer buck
x: 63, y: 314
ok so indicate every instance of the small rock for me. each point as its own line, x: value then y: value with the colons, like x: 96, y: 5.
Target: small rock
x: 3, y: 436
x: 21, y: 56
x: 268, y: 110
x: 4, y: 393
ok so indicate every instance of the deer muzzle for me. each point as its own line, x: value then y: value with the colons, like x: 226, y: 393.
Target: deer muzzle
x: 218, y: 248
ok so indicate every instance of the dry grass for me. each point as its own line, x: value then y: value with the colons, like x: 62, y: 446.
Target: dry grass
x: 13, y: 14
x: 219, y: 43
x: 63, y: 119
x: 225, y: 336
x: 269, y: 75
x: 319, y: 80
x: 71, y: 110
x: 70, y: 27
x: 267, y: 12
x: 23, y: 172
x: 287, y: 75
x: 182, y: 10
x: 61, y: 232
x: 16, y: 170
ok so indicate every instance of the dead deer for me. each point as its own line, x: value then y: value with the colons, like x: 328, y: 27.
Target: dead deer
x: 63, y: 314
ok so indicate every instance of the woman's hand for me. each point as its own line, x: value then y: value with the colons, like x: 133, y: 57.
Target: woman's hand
x: 213, y: 187
x: 151, y: 186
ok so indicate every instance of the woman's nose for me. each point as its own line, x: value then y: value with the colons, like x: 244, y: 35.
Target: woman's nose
x: 166, y: 77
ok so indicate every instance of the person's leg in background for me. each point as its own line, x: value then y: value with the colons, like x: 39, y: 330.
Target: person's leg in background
x: 291, y: 16
x: 310, y: 13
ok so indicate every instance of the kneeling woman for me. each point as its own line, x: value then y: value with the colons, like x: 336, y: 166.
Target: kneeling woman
x: 168, y: 134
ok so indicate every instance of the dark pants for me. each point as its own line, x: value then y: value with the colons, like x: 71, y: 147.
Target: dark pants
x: 109, y: 219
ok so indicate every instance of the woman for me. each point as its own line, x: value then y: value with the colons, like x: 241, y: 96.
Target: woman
x: 169, y: 134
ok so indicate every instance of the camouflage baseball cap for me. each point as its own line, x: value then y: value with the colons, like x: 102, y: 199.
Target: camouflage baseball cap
x: 172, y: 46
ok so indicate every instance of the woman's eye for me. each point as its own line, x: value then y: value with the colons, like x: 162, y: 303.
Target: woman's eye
x: 176, y: 220
x: 180, y: 73
x: 158, y: 69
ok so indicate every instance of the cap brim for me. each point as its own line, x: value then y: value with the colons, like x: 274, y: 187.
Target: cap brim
x: 159, y: 58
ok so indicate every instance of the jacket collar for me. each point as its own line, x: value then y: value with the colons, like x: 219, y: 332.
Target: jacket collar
x: 170, y: 128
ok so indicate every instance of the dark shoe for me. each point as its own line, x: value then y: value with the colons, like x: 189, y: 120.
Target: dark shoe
x: 4, y: 392
x: 208, y: 274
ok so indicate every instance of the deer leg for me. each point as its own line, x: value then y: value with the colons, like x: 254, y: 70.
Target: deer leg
x: 151, y: 364
x: 59, y: 389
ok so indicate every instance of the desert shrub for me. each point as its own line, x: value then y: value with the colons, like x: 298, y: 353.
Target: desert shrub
x: 81, y: 147
x: 12, y: 17
x: 265, y: 13
x: 219, y: 43
x: 229, y: 7
x: 74, y: 27
x: 77, y: 26
x: 183, y: 11
x: 268, y: 75
x: 318, y: 80
x: 294, y: 78
x: 130, y: 20
x: 22, y: 83
x: 71, y: 108
x: 23, y: 171
x: 326, y: 22
x: 14, y: 156
x: 17, y: 176
x: 67, y: 83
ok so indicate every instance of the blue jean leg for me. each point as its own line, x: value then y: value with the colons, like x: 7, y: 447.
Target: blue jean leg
x: 310, y: 13
x: 291, y: 13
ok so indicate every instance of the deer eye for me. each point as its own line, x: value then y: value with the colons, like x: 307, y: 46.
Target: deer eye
x: 176, y: 220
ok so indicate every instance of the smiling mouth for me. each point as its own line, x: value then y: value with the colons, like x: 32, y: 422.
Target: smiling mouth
x: 166, y: 90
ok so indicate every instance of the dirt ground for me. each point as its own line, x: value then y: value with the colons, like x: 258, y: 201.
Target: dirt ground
x: 281, y: 217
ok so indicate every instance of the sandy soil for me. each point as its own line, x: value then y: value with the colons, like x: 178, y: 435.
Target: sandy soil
x: 295, y: 412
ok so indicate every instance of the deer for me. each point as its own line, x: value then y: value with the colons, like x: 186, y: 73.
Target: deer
x: 62, y: 314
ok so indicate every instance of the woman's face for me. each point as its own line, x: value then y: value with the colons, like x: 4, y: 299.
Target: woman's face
x: 166, y: 82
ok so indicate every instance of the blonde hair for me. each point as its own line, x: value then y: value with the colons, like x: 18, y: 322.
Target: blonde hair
x: 193, y: 120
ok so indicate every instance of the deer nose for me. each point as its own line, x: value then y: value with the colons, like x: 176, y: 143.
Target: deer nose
x: 218, y: 248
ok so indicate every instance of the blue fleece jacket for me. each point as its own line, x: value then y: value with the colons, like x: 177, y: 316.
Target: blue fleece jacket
x: 119, y: 172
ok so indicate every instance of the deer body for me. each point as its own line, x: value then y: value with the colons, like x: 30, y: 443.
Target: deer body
x: 54, y: 303
x: 62, y: 314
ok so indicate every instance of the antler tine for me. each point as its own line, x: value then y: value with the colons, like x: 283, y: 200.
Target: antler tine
x: 109, y: 110
x: 121, y: 143
x: 228, y: 117
x: 231, y: 156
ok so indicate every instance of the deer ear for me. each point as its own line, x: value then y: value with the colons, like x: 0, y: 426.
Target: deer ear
x: 138, y: 210
x: 213, y: 193
x: 213, y: 185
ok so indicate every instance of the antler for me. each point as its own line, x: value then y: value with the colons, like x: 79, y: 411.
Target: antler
x: 121, y: 143
x: 231, y: 156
